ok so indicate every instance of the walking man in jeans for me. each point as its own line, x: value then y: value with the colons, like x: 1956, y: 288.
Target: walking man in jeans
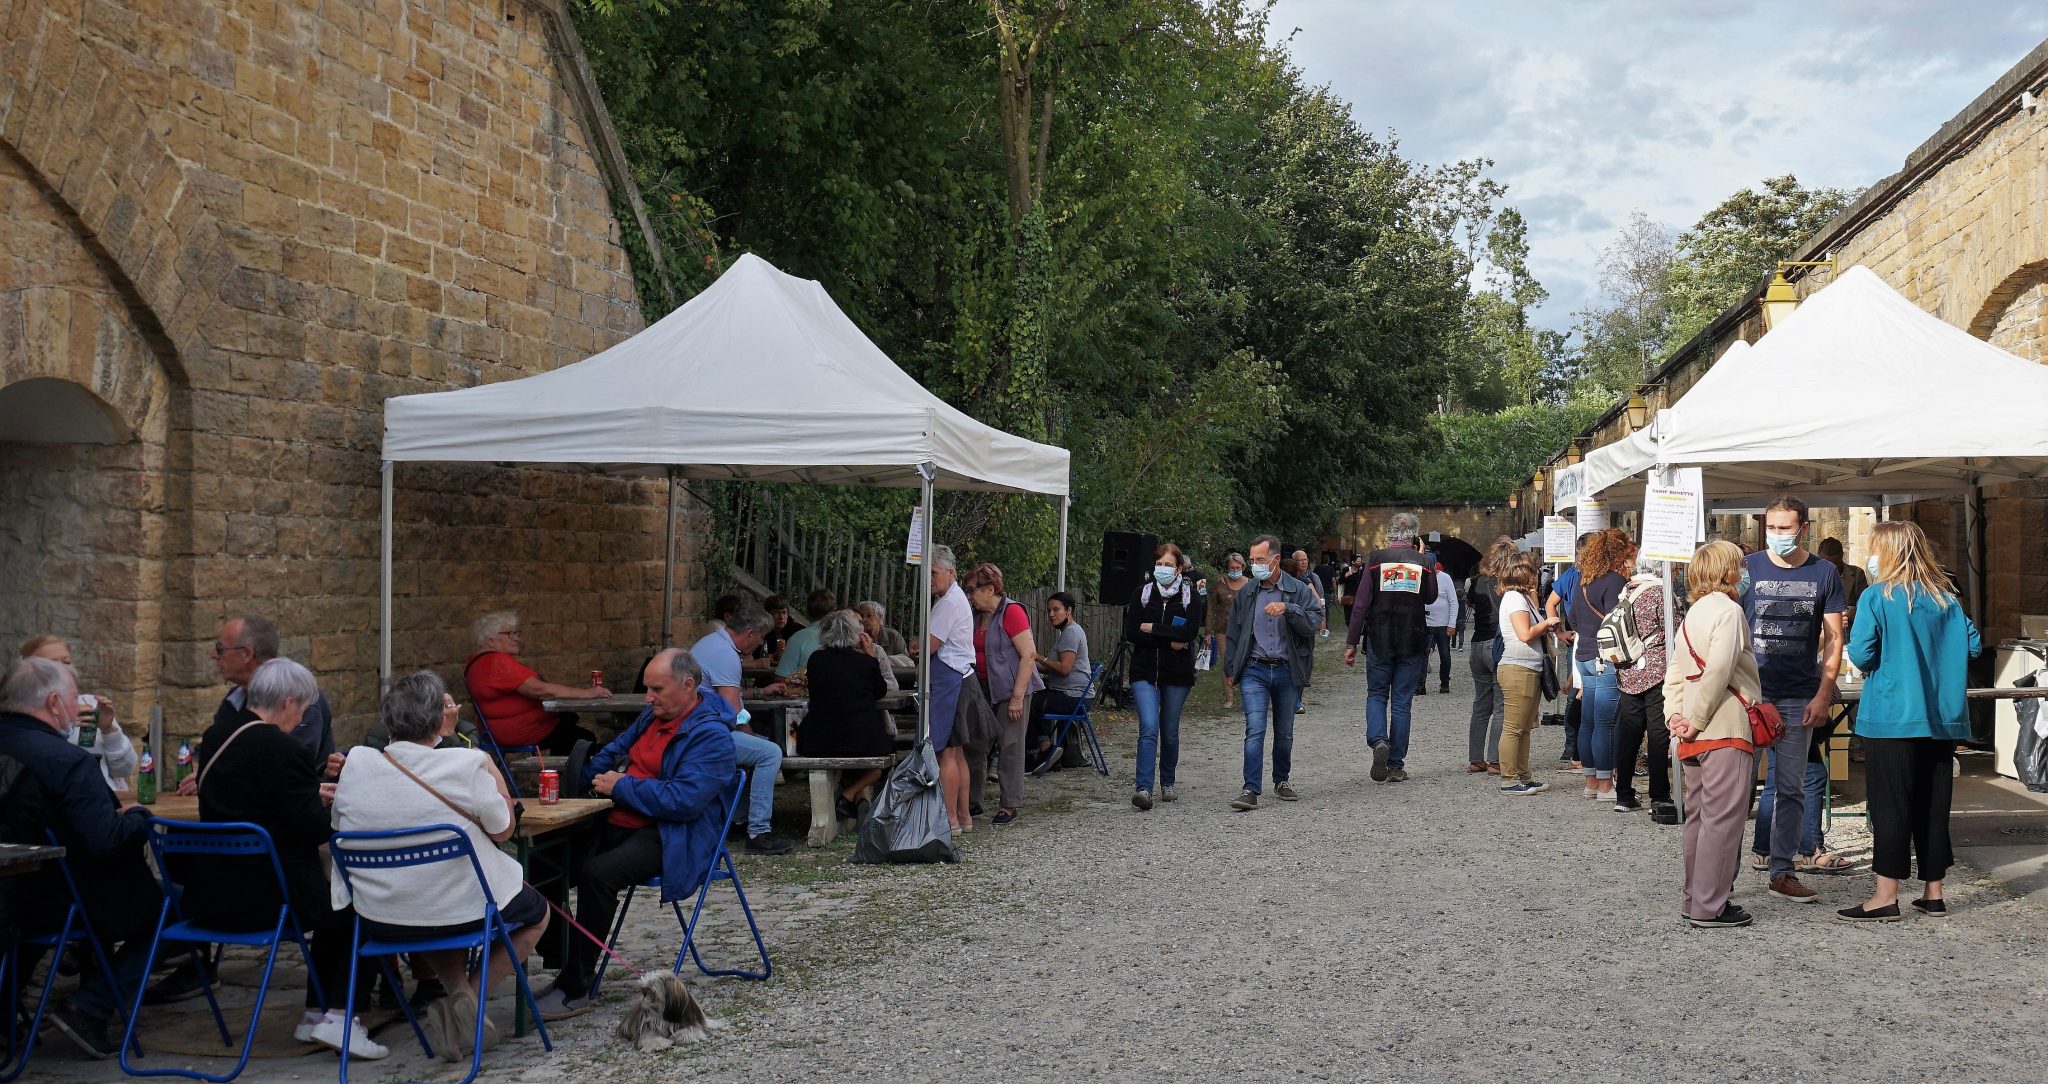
x: 1389, y: 615
x: 1272, y: 634
x: 1794, y: 604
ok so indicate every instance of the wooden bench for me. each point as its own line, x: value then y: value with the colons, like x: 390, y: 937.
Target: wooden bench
x: 824, y: 773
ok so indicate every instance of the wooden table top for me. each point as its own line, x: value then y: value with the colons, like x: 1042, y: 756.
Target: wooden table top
x: 631, y: 704
x: 28, y: 854
x: 535, y: 820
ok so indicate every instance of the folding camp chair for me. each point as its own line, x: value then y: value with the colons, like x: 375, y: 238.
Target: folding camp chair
x: 489, y: 741
x: 400, y: 848
x: 1077, y: 719
x: 721, y: 870
x: 232, y: 839
x: 76, y: 929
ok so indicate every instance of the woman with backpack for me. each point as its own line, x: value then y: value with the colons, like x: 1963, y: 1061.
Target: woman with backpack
x: 1161, y: 621
x: 1605, y: 560
x: 1641, y: 681
x: 1914, y: 643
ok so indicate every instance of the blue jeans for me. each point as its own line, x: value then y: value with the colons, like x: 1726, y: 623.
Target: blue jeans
x: 1597, y: 715
x: 1789, y: 788
x: 1391, y: 679
x: 763, y: 761
x: 1816, y: 782
x: 1440, y: 641
x: 1267, y: 687
x: 1159, y: 729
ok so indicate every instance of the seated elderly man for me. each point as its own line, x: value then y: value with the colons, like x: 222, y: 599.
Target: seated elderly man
x: 889, y: 640
x: 797, y: 651
x: 668, y: 777
x: 59, y: 788
x: 507, y: 693
x: 718, y: 654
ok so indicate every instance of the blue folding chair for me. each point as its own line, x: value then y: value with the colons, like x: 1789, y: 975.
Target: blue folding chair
x: 721, y: 870
x: 76, y: 928
x: 1069, y: 721
x: 489, y: 741
x: 426, y: 846
x: 226, y: 839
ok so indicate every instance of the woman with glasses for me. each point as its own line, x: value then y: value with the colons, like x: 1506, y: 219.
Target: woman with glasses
x: 508, y: 693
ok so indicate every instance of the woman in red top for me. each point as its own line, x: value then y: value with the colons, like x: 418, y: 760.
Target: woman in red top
x: 507, y: 693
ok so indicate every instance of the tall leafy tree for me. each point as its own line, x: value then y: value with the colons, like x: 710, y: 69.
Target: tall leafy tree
x: 1733, y: 248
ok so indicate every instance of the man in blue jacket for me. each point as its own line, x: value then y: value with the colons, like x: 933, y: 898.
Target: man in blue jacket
x: 60, y: 790
x: 670, y: 778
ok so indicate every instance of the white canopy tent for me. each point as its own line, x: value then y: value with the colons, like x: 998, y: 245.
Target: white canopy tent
x: 759, y: 377
x: 1859, y: 397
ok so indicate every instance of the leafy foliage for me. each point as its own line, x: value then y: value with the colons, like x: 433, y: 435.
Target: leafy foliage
x: 1481, y: 458
x: 1733, y: 248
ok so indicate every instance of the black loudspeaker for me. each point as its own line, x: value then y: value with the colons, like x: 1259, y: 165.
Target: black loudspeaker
x: 1126, y: 561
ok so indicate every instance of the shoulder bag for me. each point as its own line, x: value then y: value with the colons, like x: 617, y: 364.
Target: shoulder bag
x: 1766, y: 726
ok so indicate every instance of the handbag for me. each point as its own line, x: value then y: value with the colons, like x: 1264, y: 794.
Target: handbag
x: 1766, y: 726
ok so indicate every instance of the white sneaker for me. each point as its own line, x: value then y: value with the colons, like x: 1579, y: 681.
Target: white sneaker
x: 328, y: 1033
x: 304, y: 1032
x: 1167, y: 794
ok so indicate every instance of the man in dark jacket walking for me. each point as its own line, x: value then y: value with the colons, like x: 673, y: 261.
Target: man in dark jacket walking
x: 1272, y: 635
x: 1393, y: 596
x: 61, y: 790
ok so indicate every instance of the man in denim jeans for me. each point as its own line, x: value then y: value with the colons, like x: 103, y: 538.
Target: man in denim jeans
x: 1272, y: 634
x: 1795, y: 603
x: 1390, y: 617
x: 718, y: 654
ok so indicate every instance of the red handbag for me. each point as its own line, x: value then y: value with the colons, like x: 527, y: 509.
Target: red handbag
x: 1766, y: 726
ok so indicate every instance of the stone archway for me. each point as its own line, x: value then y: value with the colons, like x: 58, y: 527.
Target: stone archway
x: 2014, y: 315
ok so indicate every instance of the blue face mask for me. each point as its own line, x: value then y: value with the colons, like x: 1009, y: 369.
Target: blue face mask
x: 1782, y: 544
x: 1870, y: 566
x: 1743, y: 587
x: 1235, y: 574
x: 1260, y: 572
x: 1164, y: 574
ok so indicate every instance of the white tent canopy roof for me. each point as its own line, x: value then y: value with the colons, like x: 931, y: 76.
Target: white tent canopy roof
x: 1860, y: 396
x: 758, y: 377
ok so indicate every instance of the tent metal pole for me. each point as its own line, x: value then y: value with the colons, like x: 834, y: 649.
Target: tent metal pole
x: 384, y: 586
x: 924, y: 578
x: 1670, y: 633
x: 1066, y: 504
x: 1973, y: 549
x: 668, y: 566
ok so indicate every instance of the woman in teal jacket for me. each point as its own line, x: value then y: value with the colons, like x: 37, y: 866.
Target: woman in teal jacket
x: 1913, y: 642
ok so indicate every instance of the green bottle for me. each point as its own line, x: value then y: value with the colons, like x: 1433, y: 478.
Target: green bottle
x: 145, y: 779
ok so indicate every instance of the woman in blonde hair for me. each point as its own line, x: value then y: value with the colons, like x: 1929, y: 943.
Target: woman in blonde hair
x: 1709, y: 674
x: 1913, y: 643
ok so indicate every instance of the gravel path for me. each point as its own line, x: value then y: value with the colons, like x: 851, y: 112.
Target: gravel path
x: 1426, y: 930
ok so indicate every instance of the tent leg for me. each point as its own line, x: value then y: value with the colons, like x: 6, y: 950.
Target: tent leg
x: 668, y: 566
x: 1677, y: 767
x: 1973, y: 550
x: 1066, y: 504
x: 384, y: 587
x: 924, y: 609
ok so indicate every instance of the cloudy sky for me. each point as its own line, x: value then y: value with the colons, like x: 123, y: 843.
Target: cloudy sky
x: 1592, y: 109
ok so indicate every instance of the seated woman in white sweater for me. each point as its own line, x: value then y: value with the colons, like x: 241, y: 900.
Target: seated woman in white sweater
x: 386, y: 789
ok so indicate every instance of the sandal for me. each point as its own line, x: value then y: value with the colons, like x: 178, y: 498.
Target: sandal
x: 1493, y: 767
x: 1475, y: 767
x: 1761, y: 863
x: 1824, y: 862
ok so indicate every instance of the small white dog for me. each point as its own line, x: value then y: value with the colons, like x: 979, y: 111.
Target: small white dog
x: 664, y: 1014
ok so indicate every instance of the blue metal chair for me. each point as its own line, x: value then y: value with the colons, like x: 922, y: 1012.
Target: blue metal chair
x: 489, y: 741
x: 1069, y: 721
x: 228, y: 839
x: 76, y: 928
x: 721, y: 869
x: 427, y: 845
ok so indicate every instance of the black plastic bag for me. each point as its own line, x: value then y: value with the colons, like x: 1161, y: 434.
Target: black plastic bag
x: 2030, y: 756
x: 908, y: 822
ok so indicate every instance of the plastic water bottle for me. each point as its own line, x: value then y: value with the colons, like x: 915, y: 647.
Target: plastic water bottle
x: 145, y: 779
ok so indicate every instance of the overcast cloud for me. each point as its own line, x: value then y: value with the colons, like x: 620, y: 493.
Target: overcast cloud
x: 1593, y: 109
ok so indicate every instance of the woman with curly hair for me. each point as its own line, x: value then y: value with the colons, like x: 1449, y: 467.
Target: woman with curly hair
x: 1604, y: 562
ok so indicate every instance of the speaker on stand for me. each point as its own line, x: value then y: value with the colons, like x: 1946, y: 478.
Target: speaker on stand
x: 1126, y: 561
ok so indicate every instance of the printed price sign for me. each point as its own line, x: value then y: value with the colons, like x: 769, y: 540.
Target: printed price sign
x: 1560, y: 541
x: 913, y: 554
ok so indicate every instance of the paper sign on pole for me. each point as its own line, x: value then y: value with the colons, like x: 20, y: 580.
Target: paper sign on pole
x: 913, y: 554
x: 1671, y: 523
x: 1690, y: 479
x: 1560, y: 542
x: 1592, y: 515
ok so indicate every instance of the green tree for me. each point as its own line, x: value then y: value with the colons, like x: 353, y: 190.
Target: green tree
x: 1734, y: 248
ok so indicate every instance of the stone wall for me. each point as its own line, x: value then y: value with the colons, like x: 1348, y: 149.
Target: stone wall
x: 271, y: 215
x: 1962, y: 230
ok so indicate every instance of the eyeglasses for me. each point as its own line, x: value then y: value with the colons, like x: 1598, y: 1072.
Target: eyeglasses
x: 218, y: 650
x: 508, y: 632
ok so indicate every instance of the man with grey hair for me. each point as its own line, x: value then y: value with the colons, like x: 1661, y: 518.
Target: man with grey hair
x: 1390, y: 615
x: 892, y: 643
x: 951, y: 647
x: 60, y: 790
x: 245, y: 642
x: 718, y: 654
x: 669, y: 776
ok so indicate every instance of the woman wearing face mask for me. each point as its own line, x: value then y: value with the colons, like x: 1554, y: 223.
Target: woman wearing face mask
x: 1161, y: 622
x: 1222, y: 593
x: 1066, y: 671
x: 1914, y: 644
